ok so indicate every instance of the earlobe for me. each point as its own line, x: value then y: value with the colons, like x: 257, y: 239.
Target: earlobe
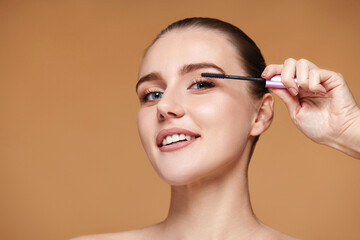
x: 264, y: 115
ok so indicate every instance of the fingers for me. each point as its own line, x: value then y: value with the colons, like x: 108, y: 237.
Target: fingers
x: 315, y: 82
x: 302, y: 73
x: 307, y: 75
x: 271, y: 70
x: 288, y: 74
x: 287, y: 71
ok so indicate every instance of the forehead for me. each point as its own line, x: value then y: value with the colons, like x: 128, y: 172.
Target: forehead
x: 187, y: 46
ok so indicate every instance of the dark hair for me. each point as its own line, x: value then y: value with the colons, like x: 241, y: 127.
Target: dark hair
x: 249, y: 54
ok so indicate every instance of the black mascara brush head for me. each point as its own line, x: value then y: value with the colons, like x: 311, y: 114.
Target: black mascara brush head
x: 219, y: 75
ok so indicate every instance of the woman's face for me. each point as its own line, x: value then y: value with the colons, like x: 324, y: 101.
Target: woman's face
x: 206, y: 123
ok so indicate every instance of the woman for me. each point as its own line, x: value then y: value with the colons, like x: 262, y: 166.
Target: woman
x: 199, y: 133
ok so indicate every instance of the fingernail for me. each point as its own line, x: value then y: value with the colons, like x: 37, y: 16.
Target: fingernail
x: 264, y: 73
x: 293, y: 91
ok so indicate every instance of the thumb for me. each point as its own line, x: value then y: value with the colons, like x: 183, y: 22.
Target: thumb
x: 291, y: 102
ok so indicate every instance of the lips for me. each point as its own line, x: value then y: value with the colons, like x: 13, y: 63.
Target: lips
x: 177, y: 135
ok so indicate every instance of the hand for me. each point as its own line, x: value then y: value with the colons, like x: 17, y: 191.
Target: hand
x: 322, y: 107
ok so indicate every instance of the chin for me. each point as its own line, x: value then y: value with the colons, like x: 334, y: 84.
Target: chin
x: 180, y: 177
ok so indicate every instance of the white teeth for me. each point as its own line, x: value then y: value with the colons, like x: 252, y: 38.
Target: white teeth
x: 169, y: 140
x: 175, y: 138
x: 182, y: 137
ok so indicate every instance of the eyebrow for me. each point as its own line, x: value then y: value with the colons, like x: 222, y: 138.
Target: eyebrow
x: 196, y: 66
x: 184, y: 70
x: 149, y: 77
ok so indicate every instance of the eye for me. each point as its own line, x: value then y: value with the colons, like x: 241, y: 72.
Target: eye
x: 152, y: 96
x: 201, y: 84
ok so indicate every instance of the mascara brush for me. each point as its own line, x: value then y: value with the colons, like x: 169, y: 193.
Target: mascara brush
x: 274, y: 82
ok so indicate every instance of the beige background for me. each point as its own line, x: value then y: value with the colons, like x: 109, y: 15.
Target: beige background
x: 71, y: 162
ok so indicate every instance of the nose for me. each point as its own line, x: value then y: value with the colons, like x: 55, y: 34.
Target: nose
x: 169, y: 106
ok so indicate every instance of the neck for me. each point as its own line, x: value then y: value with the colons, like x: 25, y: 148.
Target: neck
x: 214, y: 208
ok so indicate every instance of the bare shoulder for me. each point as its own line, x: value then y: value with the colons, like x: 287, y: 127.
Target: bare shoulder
x: 272, y: 234
x: 136, y: 234
x: 283, y: 236
x: 109, y: 236
x: 277, y: 236
x: 287, y: 237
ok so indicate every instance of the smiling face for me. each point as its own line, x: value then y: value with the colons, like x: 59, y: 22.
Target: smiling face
x: 191, y: 127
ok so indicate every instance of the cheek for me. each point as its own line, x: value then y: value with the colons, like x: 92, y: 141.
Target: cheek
x: 225, y: 122
x: 222, y: 113
x: 145, y: 123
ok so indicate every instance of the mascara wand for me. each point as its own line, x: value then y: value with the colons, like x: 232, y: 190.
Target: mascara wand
x: 274, y: 82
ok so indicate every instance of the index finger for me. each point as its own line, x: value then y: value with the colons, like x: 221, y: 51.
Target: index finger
x: 276, y: 69
x: 271, y: 70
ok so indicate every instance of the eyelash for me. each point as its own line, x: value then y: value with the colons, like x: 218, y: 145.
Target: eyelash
x: 207, y: 84
x: 147, y: 94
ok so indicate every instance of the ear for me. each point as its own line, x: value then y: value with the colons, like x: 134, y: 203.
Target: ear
x: 264, y: 115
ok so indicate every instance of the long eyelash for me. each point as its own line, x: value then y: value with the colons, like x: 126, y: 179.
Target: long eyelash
x: 209, y: 82
x: 146, y: 94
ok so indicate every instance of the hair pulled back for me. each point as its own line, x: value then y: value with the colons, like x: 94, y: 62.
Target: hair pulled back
x: 249, y: 54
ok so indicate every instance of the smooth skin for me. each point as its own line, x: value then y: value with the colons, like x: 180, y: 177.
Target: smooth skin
x: 209, y: 190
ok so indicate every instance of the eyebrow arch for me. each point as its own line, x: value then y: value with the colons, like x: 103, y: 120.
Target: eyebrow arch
x: 149, y: 77
x: 196, y: 66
